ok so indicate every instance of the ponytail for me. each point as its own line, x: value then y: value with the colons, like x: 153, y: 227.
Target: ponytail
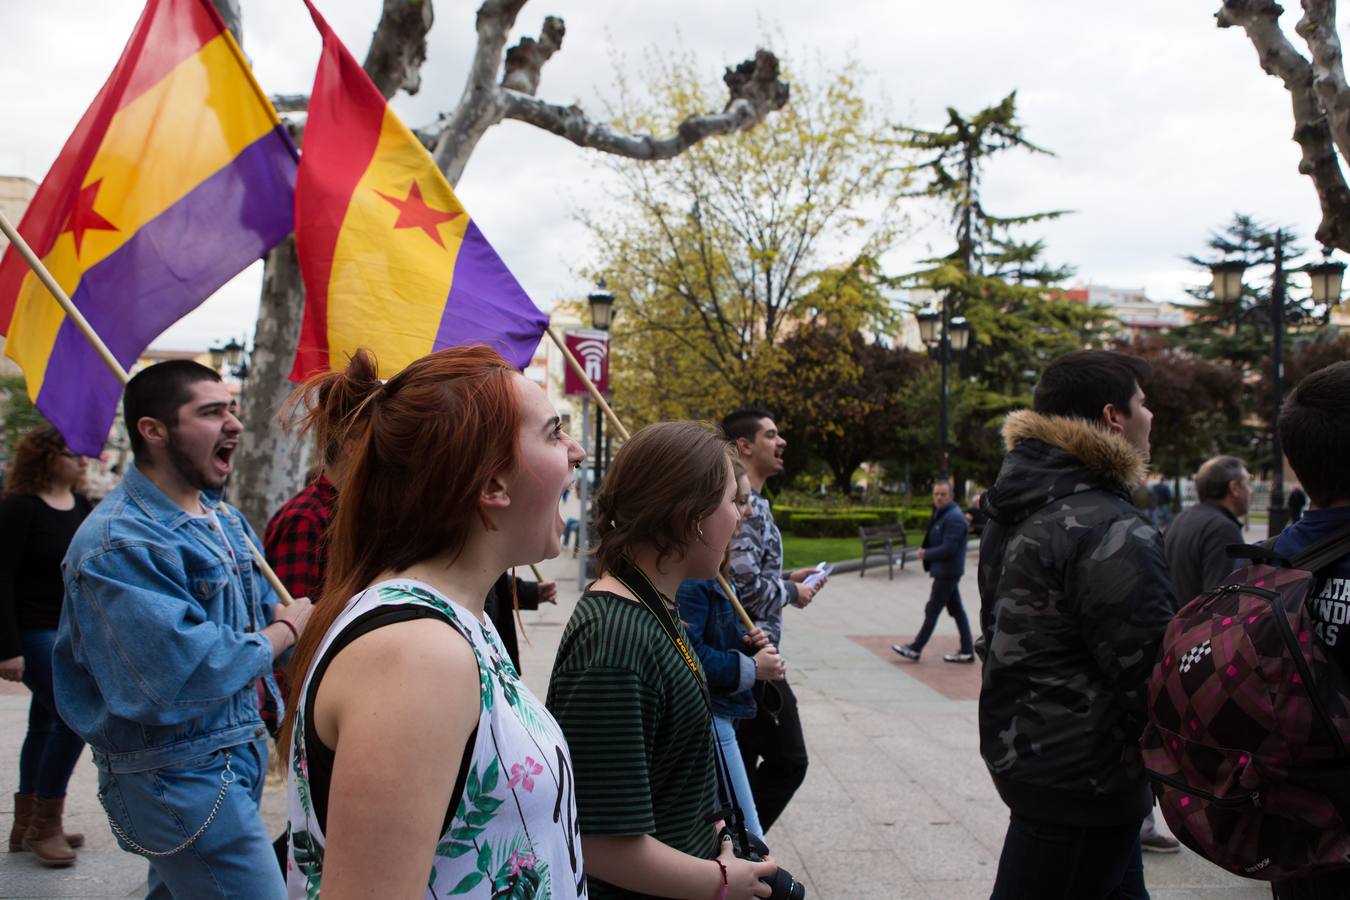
x: 330, y: 405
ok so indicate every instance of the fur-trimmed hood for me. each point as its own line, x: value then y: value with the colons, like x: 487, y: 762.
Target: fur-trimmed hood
x: 1104, y: 452
x: 1054, y: 456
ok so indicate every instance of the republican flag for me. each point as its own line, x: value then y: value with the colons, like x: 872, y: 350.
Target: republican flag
x: 391, y: 260
x: 176, y: 179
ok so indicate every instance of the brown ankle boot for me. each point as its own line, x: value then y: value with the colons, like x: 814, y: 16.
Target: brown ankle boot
x: 23, y: 812
x: 44, y: 836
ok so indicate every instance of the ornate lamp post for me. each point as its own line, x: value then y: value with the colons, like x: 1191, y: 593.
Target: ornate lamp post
x: 1326, y: 278
x: 230, y: 358
x: 947, y: 336
x: 602, y: 314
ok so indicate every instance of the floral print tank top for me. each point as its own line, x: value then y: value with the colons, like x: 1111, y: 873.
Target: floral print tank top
x: 514, y: 832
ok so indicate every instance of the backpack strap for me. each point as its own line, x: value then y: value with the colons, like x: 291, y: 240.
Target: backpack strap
x: 1325, y: 552
x: 1262, y: 552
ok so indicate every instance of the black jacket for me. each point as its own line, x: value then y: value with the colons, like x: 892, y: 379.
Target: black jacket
x: 501, y: 609
x: 1074, y: 599
x: 1195, y: 544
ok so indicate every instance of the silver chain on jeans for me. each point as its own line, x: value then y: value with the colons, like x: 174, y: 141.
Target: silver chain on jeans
x: 227, y: 778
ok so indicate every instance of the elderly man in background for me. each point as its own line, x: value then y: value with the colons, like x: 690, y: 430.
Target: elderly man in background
x: 1196, y: 541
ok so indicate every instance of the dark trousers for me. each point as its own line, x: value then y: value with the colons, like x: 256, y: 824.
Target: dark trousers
x: 50, y: 749
x: 945, y: 594
x: 773, y: 749
x: 1070, y: 862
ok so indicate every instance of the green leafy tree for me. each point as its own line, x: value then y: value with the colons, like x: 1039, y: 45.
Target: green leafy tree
x: 997, y: 281
x: 841, y: 397
x: 1238, y: 333
x: 1196, y: 404
x: 723, y: 253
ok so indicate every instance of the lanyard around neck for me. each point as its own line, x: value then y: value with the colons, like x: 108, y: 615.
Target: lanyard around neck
x: 641, y: 587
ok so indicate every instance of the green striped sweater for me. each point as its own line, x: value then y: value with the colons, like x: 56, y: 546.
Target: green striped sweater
x: 638, y: 729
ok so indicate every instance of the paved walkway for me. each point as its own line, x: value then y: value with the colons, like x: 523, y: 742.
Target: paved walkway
x: 897, y: 803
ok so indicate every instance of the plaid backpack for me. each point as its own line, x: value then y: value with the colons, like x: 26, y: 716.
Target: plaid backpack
x: 1249, y: 721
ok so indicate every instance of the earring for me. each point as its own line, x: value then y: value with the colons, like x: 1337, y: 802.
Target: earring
x: 699, y: 526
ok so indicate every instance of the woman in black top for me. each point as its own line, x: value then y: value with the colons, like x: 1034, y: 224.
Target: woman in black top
x: 38, y: 517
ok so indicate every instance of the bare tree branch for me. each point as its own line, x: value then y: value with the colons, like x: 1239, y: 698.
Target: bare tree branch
x: 234, y: 20
x: 756, y: 91
x: 1260, y: 20
x: 525, y: 60
x: 1318, y: 30
x: 479, y: 107
x: 286, y: 103
x: 399, y: 46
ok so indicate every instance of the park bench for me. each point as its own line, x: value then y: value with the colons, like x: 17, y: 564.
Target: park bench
x: 879, y: 540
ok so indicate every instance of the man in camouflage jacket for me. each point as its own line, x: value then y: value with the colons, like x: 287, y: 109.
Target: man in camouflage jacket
x: 1075, y: 597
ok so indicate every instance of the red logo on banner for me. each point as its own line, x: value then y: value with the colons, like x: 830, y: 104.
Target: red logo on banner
x: 591, y: 348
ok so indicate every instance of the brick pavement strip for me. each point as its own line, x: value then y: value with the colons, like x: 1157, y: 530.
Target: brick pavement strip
x: 896, y: 804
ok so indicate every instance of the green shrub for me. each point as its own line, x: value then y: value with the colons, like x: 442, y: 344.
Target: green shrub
x: 917, y: 520
x: 831, y: 524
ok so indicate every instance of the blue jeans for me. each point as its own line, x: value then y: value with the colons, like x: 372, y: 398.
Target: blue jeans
x: 50, y: 749
x: 161, y: 808
x: 944, y: 595
x: 740, y: 782
x: 1041, y: 861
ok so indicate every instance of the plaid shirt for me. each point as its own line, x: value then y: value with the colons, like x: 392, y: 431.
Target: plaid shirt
x: 295, y: 541
x: 296, y: 545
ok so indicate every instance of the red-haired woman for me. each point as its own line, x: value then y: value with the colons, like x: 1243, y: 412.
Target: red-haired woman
x: 629, y: 692
x: 38, y: 518
x: 420, y: 764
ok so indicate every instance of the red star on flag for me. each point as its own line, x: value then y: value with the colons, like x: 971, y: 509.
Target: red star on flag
x: 83, y: 217
x: 413, y: 212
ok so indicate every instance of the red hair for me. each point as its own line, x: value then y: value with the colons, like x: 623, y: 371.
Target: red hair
x: 424, y: 446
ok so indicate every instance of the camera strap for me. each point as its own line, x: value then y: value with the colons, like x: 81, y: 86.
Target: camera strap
x: 640, y: 586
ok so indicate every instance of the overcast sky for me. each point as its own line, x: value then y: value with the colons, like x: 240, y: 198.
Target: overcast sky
x: 1163, y: 123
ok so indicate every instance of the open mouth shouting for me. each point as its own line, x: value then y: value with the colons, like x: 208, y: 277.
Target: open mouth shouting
x: 223, y: 458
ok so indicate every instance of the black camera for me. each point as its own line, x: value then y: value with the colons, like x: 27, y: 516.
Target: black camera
x: 751, y: 849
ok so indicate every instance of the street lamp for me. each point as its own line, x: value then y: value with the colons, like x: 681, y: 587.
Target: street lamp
x: 602, y: 314
x: 947, y: 336
x: 230, y: 358
x: 602, y: 306
x: 1228, y: 280
x: 1228, y: 289
x: 1326, y: 281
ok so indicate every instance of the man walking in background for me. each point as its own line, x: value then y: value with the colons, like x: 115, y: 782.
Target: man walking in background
x: 944, y: 559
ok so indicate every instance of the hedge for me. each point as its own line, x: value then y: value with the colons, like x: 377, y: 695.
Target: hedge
x: 831, y: 524
x: 787, y: 517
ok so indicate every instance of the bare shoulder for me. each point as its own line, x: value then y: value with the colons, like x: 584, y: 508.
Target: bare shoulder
x: 397, y: 668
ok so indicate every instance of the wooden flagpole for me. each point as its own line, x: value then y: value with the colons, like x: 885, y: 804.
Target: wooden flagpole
x: 102, y: 349
x: 580, y: 372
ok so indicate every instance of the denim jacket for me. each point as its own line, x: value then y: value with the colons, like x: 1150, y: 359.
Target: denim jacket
x: 158, y: 651
x: 716, y: 634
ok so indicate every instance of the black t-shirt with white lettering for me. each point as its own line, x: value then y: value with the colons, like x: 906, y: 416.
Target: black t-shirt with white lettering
x: 1329, y: 603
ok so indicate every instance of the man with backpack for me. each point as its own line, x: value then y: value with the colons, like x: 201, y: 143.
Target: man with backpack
x: 1314, y: 432
x: 1075, y: 597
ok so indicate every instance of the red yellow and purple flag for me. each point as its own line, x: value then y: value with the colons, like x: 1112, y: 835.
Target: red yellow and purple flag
x: 176, y: 179
x: 391, y: 261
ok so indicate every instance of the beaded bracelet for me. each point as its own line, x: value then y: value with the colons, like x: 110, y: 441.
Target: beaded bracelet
x: 294, y: 634
x: 722, y: 894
